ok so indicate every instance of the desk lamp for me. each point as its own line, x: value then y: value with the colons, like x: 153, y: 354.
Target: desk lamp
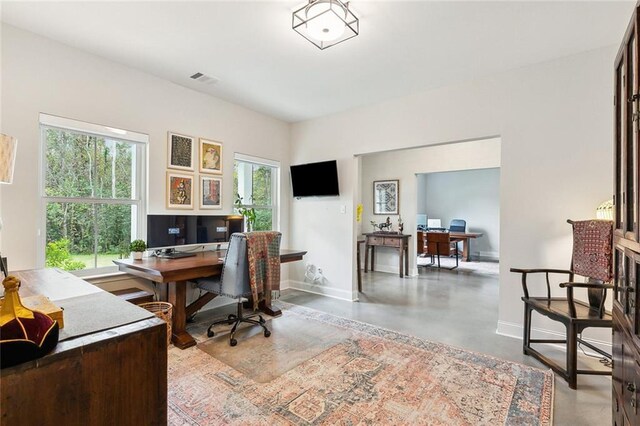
x: 8, y: 145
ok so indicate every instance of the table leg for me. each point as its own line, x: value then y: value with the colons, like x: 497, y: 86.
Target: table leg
x: 366, y: 257
x: 373, y: 256
x: 401, y: 261
x: 178, y: 298
x: 406, y: 260
x: 266, y: 307
x: 465, y: 250
x: 358, y: 267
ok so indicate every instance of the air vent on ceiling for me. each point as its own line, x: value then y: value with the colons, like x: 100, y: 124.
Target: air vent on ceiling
x: 203, y: 78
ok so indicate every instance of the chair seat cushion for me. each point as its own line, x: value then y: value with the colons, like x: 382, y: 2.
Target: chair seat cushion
x: 560, y: 307
x: 212, y: 285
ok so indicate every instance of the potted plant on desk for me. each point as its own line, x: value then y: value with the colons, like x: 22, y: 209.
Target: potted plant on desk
x: 137, y: 247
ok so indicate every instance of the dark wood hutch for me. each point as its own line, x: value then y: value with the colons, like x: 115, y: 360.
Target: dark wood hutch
x: 626, y: 242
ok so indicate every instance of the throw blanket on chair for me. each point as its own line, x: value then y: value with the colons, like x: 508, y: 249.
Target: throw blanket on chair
x: 263, y: 253
x: 592, y: 243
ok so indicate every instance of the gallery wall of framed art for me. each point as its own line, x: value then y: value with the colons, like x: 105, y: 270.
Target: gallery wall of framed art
x: 187, y: 182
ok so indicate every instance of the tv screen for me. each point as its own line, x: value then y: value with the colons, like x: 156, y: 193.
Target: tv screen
x: 167, y: 230
x: 315, y: 179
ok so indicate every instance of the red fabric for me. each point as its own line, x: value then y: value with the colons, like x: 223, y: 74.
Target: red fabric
x: 592, y: 245
x: 36, y: 328
x: 263, y: 253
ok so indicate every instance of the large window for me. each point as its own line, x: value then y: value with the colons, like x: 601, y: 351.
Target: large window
x: 255, y: 181
x: 92, y: 193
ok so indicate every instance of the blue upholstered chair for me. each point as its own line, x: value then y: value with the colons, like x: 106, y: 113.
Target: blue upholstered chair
x: 457, y: 225
x: 234, y: 282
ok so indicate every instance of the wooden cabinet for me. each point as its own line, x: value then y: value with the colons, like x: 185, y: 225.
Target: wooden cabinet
x: 391, y: 240
x: 626, y: 247
x: 115, y: 375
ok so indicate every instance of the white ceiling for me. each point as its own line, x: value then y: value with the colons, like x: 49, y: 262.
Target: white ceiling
x: 264, y: 65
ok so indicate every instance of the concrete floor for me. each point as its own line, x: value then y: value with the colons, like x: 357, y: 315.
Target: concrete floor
x: 460, y: 309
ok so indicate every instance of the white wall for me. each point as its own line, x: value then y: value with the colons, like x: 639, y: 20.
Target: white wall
x: 555, y: 122
x: 40, y: 75
x: 404, y: 165
x: 471, y: 195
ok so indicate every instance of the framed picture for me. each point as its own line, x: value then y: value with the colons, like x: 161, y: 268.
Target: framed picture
x: 386, y: 197
x: 210, y: 156
x: 210, y: 192
x: 179, y: 191
x: 181, y: 152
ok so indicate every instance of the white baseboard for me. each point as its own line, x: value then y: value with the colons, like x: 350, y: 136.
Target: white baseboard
x: 336, y: 293
x: 487, y: 255
x: 515, y: 331
x: 388, y: 269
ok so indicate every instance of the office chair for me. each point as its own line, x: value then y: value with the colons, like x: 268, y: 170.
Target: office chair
x: 457, y: 225
x: 592, y: 258
x: 439, y: 243
x: 235, y: 282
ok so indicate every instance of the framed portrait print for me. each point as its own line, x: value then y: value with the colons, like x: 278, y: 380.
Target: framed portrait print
x: 179, y: 191
x: 210, y: 156
x: 210, y: 192
x: 180, y: 153
x: 386, y: 197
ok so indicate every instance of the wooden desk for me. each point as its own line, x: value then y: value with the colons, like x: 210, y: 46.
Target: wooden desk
x: 465, y: 237
x: 398, y: 241
x: 115, y: 376
x: 176, y: 273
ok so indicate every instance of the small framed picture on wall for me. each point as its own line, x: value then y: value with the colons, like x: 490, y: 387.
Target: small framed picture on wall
x: 179, y: 191
x: 210, y: 157
x: 386, y: 197
x: 180, y: 153
x: 210, y: 192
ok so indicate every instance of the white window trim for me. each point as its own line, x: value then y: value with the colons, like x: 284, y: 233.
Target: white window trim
x: 275, y: 185
x: 140, y: 140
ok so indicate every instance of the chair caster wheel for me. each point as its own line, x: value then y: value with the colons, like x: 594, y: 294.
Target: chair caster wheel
x: 210, y: 333
x: 232, y: 317
x: 267, y: 333
x: 233, y: 342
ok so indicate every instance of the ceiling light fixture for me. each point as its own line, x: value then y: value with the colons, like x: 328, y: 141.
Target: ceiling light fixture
x: 326, y: 23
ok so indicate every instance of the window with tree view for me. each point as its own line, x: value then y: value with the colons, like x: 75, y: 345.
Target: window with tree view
x: 92, y: 192
x: 255, y: 183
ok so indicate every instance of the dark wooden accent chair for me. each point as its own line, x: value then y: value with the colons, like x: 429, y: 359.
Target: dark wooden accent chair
x: 592, y: 259
x: 439, y: 244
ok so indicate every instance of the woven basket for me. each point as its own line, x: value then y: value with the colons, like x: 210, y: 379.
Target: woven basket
x: 163, y: 311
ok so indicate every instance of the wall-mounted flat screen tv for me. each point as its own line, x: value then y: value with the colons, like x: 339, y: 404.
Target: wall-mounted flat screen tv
x: 315, y: 179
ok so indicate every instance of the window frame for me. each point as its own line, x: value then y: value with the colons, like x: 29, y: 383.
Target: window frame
x: 140, y: 189
x: 275, y: 186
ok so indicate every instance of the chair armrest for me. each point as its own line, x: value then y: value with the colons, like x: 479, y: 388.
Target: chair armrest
x: 524, y: 273
x: 587, y: 285
x: 571, y: 285
x: 537, y: 271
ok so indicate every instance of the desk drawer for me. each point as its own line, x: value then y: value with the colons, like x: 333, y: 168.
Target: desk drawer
x: 375, y: 241
x: 393, y: 242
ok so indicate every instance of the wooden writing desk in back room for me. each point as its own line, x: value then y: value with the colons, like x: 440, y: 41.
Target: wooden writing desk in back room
x: 176, y: 273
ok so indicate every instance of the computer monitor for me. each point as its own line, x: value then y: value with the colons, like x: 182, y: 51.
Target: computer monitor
x: 434, y: 223
x: 171, y: 231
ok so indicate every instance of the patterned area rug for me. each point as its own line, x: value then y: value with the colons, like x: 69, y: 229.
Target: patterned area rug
x: 365, y: 375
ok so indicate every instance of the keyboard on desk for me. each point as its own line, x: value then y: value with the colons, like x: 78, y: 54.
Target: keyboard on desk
x: 175, y: 255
